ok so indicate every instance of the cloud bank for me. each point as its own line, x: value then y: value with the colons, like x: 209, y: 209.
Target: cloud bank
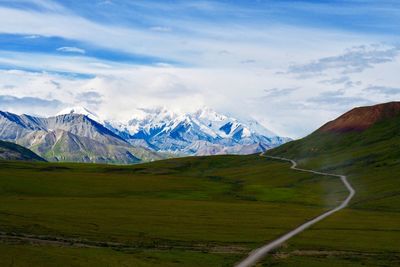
x: 261, y: 59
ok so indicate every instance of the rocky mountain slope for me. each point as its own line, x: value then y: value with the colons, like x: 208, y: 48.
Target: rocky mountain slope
x: 70, y: 137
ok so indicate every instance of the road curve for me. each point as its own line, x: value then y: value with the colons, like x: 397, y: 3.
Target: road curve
x: 261, y: 252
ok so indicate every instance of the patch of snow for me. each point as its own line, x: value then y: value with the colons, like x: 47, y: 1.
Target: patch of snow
x: 82, y: 111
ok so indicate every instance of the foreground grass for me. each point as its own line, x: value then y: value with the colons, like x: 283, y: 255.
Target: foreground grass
x: 32, y: 255
x: 205, y: 211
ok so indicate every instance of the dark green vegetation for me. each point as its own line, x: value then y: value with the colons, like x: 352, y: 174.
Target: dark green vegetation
x: 368, y: 232
x: 204, y: 211
x: 11, y: 151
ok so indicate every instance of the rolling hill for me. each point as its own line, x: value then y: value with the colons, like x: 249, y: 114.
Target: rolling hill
x: 363, y: 137
x: 11, y: 151
x: 363, y: 144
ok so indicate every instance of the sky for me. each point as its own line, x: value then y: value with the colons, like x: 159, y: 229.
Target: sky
x: 292, y: 65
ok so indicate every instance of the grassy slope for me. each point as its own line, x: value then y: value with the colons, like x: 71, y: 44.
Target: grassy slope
x: 11, y: 151
x: 205, y: 211
x: 368, y: 232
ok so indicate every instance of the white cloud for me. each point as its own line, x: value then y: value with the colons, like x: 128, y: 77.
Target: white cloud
x: 46, y: 5
x: 383, y: 90
x: 213, y: 73
x: 33, y: 36
x: 195, y: 43
x: 355, y: 59
x: 286, y: 108
x: 71, y: 49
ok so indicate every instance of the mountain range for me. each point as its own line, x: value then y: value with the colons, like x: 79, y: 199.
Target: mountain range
x: 204, y: 132
x: 79, y: 135
x: 70, y: 137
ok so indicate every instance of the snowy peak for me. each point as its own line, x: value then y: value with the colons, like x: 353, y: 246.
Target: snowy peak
x: 144, y: 121
x: 208, y: 114
x: 159, y: 114
x: 202, y: 131
x: 230, y: 127
x: 257, y: 128
x: 81, y: 111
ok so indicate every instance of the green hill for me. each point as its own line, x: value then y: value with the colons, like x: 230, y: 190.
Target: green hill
x: 364, y: 144
x: 11, y: 151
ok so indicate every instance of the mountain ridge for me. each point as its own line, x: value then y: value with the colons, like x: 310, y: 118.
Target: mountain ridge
x: 12, y: 151
x: 361, y: 118
x: 343, y: 148
x: 71, y: 138
x: 164, y: 130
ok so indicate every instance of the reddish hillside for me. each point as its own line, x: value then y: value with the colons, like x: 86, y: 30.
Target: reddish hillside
x: 359, y: 119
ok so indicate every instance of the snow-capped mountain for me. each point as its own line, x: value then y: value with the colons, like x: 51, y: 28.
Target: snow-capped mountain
x: 203, y: 132
x: 77, y: 134
x: 81, y: 111
x: 71, y: 137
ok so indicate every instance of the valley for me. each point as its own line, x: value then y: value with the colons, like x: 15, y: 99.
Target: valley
x: 214, y: 210
x: 200, y: 211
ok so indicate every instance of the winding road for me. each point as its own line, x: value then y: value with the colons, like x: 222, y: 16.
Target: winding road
x: 261, y: 252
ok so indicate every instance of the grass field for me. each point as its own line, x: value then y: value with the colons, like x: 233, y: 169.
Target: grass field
x: 204, y: 211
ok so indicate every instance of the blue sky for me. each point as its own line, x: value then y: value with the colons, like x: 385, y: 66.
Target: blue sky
x: 290, y: 64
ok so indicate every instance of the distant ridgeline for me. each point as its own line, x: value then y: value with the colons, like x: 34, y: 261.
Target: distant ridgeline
x: 78, y: 135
